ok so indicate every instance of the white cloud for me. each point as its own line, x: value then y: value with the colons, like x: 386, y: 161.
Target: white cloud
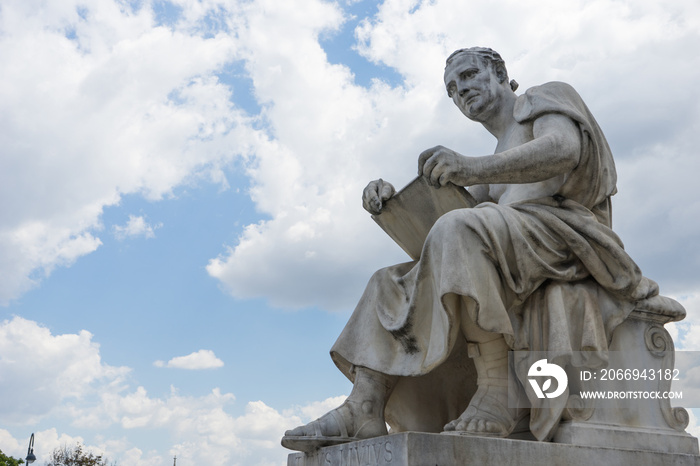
x: 42, y: 372
x: 48, y: 377
x: 9, y: 443
x: 50, y: 439
x: 46, y: 441
x: 202, y: 359
x: 686, y: 333
x: 136, y: 457
x: 330, y: 136
x: 693, y: 425
x: 135, y: 107
x: 202, y: 430
x: 98, y: 101
x: 316, y: 409
x: 136, y: 226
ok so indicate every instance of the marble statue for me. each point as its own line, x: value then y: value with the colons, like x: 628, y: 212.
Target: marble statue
x: 534, y: 266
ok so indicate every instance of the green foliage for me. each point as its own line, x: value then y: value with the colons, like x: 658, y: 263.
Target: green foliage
x: 8, y: 460
x: 75, y: 456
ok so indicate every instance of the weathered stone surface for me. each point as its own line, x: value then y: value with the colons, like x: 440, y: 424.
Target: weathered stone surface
x: 419, y: 449
x: 454, y: 340
x: 631, y: 438
x: 407, y: 219
x: 641, y: 342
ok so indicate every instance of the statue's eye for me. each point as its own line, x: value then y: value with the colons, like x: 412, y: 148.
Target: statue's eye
x: 468, y: 74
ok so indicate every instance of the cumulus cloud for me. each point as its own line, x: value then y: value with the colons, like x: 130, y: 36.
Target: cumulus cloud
x: 133, y: 106
x: 202, y: 359
x: 42, y: 372
x: 136, y: 106
x: 693, y: 425
x: 316, y: 409
x: 9, y: 443
x: 63, y: 376
x: 201, y: 429
x: 98, y: 101
x: 136, y: 226
x: 330, y: 135
x: 686, y: 333
x: 51, y: 439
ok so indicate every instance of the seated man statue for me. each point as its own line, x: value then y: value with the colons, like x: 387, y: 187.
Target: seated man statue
x: 535, y: 266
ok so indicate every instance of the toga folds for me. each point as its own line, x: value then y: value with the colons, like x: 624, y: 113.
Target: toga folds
x: 549, y: 274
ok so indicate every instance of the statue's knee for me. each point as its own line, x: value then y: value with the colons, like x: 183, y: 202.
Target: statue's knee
x: 459, y: 221
x: 449, y: 222
x: 456, y: 230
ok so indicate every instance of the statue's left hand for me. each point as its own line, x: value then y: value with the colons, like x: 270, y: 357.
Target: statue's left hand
x: 375, y: 194
x: 441, y: 165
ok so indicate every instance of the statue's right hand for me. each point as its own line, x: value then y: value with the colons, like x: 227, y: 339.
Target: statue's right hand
x: 375, y: 194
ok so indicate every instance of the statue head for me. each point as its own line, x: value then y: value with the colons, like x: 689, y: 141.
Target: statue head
x: 477, y: 82
x: 489, y: 57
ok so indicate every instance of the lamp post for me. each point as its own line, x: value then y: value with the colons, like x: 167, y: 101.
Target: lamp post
x: 30, y: 451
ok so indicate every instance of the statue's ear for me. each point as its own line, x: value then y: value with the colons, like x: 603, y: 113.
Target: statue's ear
x: 501, y: 73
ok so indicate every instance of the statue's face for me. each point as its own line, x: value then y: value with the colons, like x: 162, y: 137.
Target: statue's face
x: 474, y: 87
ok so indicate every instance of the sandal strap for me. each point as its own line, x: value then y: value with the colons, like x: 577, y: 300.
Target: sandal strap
x: 490, y: 409
x: 491, y: 382
x: 317, y: 428
x: 491, y: 361
x: 341, y: 423
x: 493, y: 410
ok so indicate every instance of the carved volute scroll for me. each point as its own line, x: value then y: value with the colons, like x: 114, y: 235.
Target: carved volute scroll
x: 578, y: 409
x: 660, y: 345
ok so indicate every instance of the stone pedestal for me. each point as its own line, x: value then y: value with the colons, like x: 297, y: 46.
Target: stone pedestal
x: 651, y: 425
x: 420, y: 449
x: 590, y: 433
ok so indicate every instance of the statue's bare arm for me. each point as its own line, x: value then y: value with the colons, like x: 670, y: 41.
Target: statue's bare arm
x: 554, y: 150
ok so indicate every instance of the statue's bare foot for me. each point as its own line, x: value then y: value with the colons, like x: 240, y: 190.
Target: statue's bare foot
x: 351, y: 421
x: 487, y: 415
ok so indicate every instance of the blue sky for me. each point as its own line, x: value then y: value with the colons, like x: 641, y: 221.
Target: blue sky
x: 182, y: 237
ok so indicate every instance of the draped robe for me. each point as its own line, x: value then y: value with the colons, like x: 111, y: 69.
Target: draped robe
x: 549, y: 274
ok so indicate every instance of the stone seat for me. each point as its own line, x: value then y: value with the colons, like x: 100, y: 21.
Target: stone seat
x: 641, y: 342
x: 648, y: 434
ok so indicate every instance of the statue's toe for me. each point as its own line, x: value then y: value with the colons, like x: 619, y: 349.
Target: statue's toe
x: 450, y: 426
x: 297, y: 431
